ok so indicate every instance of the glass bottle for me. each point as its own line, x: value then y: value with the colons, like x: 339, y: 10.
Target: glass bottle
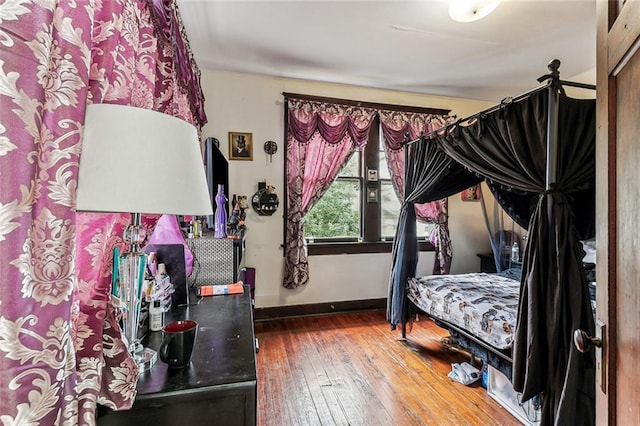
x: 155, y: 316
x: 515, y: 252
x: 220, y: 223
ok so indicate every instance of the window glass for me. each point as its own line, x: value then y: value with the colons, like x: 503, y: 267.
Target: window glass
x: 424, y: 229
x: 390, y: 209
x: 348, y: 213
x: 337, y: 213
x: 383, y: 171
x: 352, y: 168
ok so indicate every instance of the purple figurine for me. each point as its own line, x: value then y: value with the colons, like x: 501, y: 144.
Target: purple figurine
x: 220, y: 223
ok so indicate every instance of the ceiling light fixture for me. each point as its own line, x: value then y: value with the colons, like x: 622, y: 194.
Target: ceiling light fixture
x: 471, y: 10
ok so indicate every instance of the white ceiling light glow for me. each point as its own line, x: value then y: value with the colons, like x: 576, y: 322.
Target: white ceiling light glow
x: 471, y: 10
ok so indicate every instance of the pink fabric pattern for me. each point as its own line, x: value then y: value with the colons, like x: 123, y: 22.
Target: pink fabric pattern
x: 396, y: 126
x: 60, y: 342
x: 321, y: 138
x: 441, y: 239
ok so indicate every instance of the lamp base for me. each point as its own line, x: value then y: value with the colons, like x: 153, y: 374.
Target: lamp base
x: 146, y: 359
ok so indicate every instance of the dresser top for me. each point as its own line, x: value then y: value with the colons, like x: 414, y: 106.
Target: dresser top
x: 224, y: 350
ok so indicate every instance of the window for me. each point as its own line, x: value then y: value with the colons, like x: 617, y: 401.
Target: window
x: 337, y: 215
x: 359, y: 212
x: 390, y: 204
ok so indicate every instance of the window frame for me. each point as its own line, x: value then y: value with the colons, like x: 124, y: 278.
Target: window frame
x: 370, y: 212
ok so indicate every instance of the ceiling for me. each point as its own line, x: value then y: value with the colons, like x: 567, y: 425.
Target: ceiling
x: 410, y: 46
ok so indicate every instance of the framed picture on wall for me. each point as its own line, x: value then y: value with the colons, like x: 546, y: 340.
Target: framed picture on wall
x: 471, y: 194
x: 372, y: 195
x: 240, y: 146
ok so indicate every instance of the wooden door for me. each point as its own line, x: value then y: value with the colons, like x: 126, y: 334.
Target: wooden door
x: 618, y: 212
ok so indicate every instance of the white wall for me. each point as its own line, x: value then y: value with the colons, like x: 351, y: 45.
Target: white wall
x: 250, y: 103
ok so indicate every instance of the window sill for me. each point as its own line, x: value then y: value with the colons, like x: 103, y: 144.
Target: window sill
x: 319, y: 249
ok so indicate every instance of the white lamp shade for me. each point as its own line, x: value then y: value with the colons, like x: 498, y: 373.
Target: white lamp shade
x: 135, y: 160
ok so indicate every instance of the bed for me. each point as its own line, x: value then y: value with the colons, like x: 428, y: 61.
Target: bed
x: 536, y: 153
x: 484, y: 305
x: 478, y: 309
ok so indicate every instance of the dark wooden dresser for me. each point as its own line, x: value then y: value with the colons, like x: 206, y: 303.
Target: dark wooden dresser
x: 218, y: 388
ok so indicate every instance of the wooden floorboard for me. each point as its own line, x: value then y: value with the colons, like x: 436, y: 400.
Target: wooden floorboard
x: 351, y: 369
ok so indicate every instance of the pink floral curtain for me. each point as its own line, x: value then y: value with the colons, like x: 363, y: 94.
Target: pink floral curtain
x: 396, y: 126
x: 321, y: 138
x: 60, y: 344
x: 441, y: 239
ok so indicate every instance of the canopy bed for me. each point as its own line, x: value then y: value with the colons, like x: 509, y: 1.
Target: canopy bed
x: 536, y: 152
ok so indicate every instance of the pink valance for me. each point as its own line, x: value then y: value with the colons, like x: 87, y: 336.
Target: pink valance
x: 397, y: 126
x: 332, y: 122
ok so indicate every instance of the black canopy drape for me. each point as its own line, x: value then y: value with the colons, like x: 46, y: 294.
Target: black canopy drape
x: 430, y: 175
x: 520, y: 205
x: 508, y: 147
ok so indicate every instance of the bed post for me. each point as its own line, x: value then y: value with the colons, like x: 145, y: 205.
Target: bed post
x: 552, y: 127
x: 405, y: 313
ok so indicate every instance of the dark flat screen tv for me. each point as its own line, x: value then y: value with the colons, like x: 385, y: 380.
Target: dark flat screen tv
x: 217, y: 171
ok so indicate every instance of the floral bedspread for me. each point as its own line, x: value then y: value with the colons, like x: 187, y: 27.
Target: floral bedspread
x: 485, y: 305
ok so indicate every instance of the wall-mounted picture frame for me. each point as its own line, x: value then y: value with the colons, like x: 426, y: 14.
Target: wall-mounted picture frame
x: 471, y: 194
x: 372, y: 195
x: 240, y: 146
x: 372, y: 175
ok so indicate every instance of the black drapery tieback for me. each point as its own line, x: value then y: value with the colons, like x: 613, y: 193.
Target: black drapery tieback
x: 408, y: 204
x: 552, y: 190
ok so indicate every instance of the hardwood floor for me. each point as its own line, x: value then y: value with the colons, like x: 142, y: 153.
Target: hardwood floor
x: 350, y: 369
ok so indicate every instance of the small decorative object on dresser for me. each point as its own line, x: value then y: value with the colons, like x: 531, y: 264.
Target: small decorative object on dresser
x: 220, y: 224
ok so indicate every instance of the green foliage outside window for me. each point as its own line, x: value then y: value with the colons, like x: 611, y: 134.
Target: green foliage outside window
x: 337, y: 214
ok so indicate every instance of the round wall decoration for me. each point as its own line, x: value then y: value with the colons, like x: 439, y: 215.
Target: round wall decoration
x: 270, y: 147
x: 265, y: 202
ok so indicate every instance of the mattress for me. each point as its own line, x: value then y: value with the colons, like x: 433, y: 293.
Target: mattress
x: 484, y: 305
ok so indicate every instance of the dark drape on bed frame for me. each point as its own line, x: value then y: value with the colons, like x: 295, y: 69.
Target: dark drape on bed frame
x: 520, y: 205
x: 430, y: 175
x: 508, y: 148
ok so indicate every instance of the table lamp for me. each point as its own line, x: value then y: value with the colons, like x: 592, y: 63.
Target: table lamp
x: 136, y: 161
